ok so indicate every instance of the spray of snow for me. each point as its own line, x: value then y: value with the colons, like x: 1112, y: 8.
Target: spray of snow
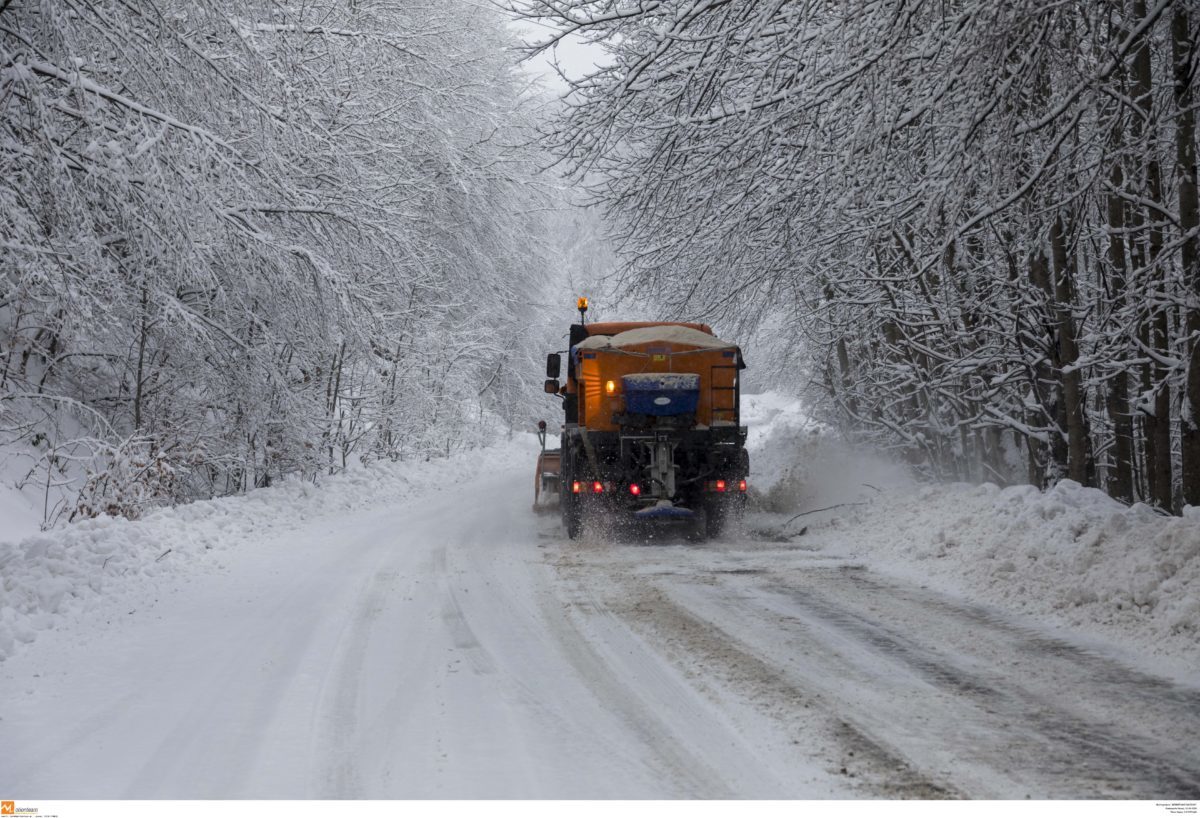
x: 797, y: 464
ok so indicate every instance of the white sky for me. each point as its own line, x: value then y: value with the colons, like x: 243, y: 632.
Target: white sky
x: 574, y: 56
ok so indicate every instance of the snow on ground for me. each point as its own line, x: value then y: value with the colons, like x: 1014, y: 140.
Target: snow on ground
x: 430, y: 647
x: 52, y: 579
x: 1070, y: 556
x: 413, y: 630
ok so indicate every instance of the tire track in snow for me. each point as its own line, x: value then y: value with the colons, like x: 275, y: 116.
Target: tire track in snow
x: 704, y: 645
x: 967, y: 711
x: 1168, y: 700
x: 341, y: 708
x: 620, y: 695
x: 934, y: 691
x: 454, y: 619
x: 223, y: 730
x: 1062, y: 744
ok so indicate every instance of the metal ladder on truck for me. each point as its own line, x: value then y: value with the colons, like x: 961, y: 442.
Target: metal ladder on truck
x: 731, y: 393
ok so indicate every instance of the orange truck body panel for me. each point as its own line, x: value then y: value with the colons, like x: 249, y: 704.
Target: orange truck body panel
x: 717, y: 369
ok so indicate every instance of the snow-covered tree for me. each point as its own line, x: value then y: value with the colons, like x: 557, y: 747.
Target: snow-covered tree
x: 977, y: 219
x: 243, y: 240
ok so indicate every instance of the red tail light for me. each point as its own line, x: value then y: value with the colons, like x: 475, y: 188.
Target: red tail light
x: 597, y: 487
x: 741, y: 485
x: 719, y: 486
x: 576, y: 487
x: 635, y: 489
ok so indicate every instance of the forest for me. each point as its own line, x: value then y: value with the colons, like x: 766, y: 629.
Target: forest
x: 242, y: 241
x: 248, y: 240
x: 971, y: 226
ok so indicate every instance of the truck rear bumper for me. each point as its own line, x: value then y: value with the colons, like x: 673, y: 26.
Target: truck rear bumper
x: 664, y: 512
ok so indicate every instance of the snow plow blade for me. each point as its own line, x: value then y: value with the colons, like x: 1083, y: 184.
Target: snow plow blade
x: 546, y: 479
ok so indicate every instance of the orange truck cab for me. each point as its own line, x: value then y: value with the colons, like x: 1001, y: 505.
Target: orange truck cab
x: 652, y: 426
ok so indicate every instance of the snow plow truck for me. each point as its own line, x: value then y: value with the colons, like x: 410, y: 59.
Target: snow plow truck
x: 652, y: 430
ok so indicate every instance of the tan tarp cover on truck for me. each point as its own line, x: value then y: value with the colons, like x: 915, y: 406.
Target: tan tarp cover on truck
x: 616, y: 327
x: 671, y: 334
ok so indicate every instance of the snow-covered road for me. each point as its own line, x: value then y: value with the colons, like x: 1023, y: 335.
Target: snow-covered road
x: 455, y: 645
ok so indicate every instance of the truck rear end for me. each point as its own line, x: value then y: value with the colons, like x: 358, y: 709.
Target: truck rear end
x: 652, y: 430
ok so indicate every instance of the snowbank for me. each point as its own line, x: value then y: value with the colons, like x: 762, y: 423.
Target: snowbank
x: 1070, y: 556
x: 69, y: 573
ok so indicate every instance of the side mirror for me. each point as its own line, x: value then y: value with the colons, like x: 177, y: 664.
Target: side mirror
x: 553, y: 365
x: 552, y: 386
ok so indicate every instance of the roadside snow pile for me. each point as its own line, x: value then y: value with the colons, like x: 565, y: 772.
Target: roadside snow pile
x: 67, y: 573
x: 1070, y: 554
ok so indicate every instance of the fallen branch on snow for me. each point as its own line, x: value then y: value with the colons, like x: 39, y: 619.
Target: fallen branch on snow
x: 826, y: 508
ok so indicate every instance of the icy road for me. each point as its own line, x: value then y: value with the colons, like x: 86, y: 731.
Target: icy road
x: 458, y: 646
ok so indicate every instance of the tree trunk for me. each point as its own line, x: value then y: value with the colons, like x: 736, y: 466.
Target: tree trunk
x: 1185, y: 175
x: 1071, y: 379
x: 1116, y: 397
x: 141, y: 360
x: 1120, y: 483
x: 1153, y: 330
x: 1048, y: 383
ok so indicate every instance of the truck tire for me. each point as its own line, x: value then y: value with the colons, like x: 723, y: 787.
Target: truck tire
x: 572, y: 516
x: 720, y: 513
x: 697, y: 531
x: 714, y: 518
